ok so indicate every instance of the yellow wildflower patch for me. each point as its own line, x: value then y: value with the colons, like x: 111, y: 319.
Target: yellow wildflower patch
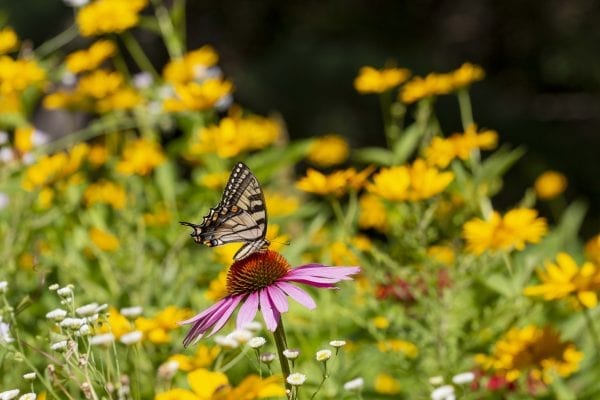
x: 565, y: 279
x: 109, y: 16
x: 409, y: 183
x: 398, y: 346
x: 434, y: 84
x: 280, y: 204
x: 592, y: 249
x: 157, y: 329
x: 516, y: 228
x: 329, y: 150
x: 549, y: 185
x: 24, y: 139
x: 18, y: 75
x: 98, y: 155
x: 441, y: 254
x: 217, y: 288
x: 386, y: 384
x: 441, y: 151
x: 45, y: 198
x: 105, y: 192
x: 140, y: 157
x: 466, y: 75
x: 191, y: 66
x: 104, y: 240
x: 316, y: 182
x: 9, y: 40
x: 372, y: 80
x: 372, y: 213
x: 91, y: 58
x: 49, y: 169
x: 233, y: 136
x: 117, y: 324
x: 531, y: 351
x: 203, y: 358
x: 198, y: 96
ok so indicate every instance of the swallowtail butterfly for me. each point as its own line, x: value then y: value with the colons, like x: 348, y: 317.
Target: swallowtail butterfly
x: 240, y: 216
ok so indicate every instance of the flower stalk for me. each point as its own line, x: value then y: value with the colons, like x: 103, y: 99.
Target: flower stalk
x: 281, y: 344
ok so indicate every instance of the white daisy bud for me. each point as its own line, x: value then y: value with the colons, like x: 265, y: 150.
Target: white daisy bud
x: 86, y: 310
x: 29, y: 376
x: 102, y: 307
x: 72, y: 323
x: 323, y: 355
x: 3, y: 137
x: 267, y: 358
x: 66, y: 291
x: 92, y: 318
x: 103, y: 339
x: 464, y: 378
x: 167, y: 370
x: 59, y: 346
x: 84, y: 330
x: 9, y: 394
x: 53, y: 287
x: 28, y: 396
x: 291, y: 354
x: 445, y: 392
x: 253, y: 326
x: 131, y: 312
x: 296, y: 379
x: 131, y: 338
x: 337, y: 343
x: 354, y: 385
x: 257, y: 342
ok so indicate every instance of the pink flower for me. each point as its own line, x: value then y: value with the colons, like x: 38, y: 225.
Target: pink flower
x: 262, y: 281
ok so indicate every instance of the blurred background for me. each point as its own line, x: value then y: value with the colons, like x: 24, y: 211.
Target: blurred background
x: 299, y: 58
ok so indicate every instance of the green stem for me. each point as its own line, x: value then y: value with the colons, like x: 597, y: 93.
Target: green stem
x: 508, y: 262
x: 593, y: 332
x: 281, y: 344
x: 466, y: 111
x: 385, y: 101
x: 138, y: 54
x: 234, y: 361
x: 57, y: 41
x: 167, y: 30
x: 323, y: 379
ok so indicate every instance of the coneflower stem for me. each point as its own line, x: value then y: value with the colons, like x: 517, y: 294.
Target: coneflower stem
x: 280, y: 343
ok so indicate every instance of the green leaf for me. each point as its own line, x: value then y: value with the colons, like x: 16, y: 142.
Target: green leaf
x: 500, y: 284
x: 407, y: 144
x: 375, y: 155
x: 498, y: 163
x: 166, y: 179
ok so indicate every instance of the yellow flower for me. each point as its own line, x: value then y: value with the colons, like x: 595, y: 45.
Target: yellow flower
x: 198, y: 96
x: 159, y: 217
x: 412, y: 183
x: 534, y: 352
x: 217, y: 288
x: 203, y: 358
x: 371, y: 80
x: 466, y: 75
x: 433, y: 84
x: 214, y: 180
x: 105, y: 192
x: 156, y: 329
x: 279, y: 204
x: 441, y: 254
x: 209, y: 385
x: 8, y: 40
x: 24, y: 139
x: 233, y: 136
x: 346, y: 253
x: 398, y: 346
x: 386, y: 384
x: 105, y: 241
x: 123, y: 98
x: 316, y: 182
x: 372, y: 214
x: 140, y: 157
x: 592, y: 249
x: 565, y: 279
x: 328, y: 150
x: 380, y: 322
x: 191, y: 66
x: 87, y: 60
x: 49, y: 169
x: 518, y: 227
x: 117, y: 324
x: 98, y: 155
x: 441, y: 152
x: 100, y: 83
x: 45, y: 197
x: 550, y: 184
x: 18, y: 75
x: 109, y: 16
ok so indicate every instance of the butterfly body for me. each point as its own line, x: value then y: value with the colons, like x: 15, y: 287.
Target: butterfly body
x: 240, y: 216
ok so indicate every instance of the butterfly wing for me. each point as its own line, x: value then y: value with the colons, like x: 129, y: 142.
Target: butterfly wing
x: 240, y: 216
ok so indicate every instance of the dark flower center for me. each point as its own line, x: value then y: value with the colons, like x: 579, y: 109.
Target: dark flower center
x: 256, y: 271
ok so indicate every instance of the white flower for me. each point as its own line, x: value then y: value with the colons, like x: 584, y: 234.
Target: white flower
x: 436, y: 380
x: 257, y: 342
x: 72, y: 323
x: 29, y: 376
x: 131, y: 338
x: 355, y: 384
x: 7, y: 154
x: 337, y: 343
x: 465, y: 377
x: 66, y: 291
x: 3, y: 137
x: 58, y: 314
x: 224, y: 102
x: 9, y: 394
x: 291, y: 354
x: 227, y: 342
x: 142, y: 80
x: 296, y: 379
x: 39, y: 137
x: 445, y: 392
x: 53, y: 287
x: 4, y: 200
x: 3, y: 285
x: 87, y: 309
x: 92, y: 318
x: 131, y: 312
x: 5, y: 337
x: 105, y: 338
x: 84, y: 330
x: 323, y: 355
x: 253, y: 326
x: 28, y: 396
x: 240, y: 335
x: 101, y: 307
x: 59, y: 346
x: 267, y: 357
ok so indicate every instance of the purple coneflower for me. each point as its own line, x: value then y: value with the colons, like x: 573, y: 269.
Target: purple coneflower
x: 262, y: 281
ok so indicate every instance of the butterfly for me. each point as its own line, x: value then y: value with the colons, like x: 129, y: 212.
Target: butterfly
x: 240, y: 216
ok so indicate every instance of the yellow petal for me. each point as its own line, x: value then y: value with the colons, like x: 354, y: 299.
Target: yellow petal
x: 204, y: 382
x: 588, y: 298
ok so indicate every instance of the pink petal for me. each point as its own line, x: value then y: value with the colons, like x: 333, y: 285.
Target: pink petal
x: 324, y: 272
x: 314, y: 284
x: 312, y: 278
x: 206, y: 312
x: 202, y: 325
x: 226, y: 314
x: 277, y: 298
x: 267, y: 311
x: 247, y: 310
x: 297, y: 294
